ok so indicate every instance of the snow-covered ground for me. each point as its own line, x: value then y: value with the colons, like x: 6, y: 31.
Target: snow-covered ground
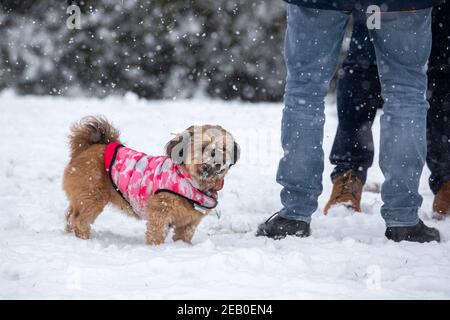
x: 346, y: 257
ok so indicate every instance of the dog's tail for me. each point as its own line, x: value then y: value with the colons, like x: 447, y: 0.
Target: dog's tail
x: 89, y: 131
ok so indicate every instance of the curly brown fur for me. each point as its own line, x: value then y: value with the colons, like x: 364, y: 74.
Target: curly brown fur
x: 89, y: 188
x: 193, y: 148
x: 89, y: 131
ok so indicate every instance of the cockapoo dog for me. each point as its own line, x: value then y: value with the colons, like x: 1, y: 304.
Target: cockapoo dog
x: 172, y: 191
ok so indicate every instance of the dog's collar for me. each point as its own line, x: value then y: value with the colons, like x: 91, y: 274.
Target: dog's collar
x: 200, y: 209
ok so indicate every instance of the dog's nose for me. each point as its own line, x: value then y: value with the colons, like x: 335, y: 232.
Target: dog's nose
x: 206, y: 170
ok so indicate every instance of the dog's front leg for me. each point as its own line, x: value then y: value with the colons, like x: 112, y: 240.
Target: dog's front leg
x: 157, y: 227
x: 186, y: 232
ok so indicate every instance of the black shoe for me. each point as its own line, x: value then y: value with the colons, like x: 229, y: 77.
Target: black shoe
x: 277, y: 227
x: 418, y: 233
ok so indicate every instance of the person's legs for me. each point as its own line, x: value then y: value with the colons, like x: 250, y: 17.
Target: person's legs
x: 358, y: 98
x: 438, y: 132
x: 312, y: 46
x: 438, y: 123
x: 402, y: 47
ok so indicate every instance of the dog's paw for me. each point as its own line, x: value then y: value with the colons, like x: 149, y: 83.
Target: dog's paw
x: 68, y: 228
x: 82, y: 234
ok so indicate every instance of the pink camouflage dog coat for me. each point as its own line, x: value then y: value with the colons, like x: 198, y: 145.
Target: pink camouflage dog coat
x: 137, y: 176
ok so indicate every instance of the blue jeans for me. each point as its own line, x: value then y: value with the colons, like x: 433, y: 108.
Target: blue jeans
x: 359, y: 96
x: 312, y: 45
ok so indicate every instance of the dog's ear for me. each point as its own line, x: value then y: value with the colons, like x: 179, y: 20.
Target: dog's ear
x: 177, y: 157
x: 177, y: 148
x: 236, y: 153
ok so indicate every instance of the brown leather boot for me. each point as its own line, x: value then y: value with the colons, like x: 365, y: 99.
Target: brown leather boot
x: 441, y: 203
x: 347, y: 190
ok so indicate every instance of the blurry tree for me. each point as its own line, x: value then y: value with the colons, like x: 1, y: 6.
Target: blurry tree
x: 155, y: 48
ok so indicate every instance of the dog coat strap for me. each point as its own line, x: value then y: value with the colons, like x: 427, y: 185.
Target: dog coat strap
x: 207, y: 201
x: 110, y: 155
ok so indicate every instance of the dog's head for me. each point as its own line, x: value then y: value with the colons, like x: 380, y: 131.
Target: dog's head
x: 207, y: 152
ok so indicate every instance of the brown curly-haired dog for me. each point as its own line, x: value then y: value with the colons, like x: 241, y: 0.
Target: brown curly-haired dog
x: 205, y: 152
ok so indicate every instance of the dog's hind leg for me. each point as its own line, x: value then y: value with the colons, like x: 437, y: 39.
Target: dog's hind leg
x: 85, y: 215
x: 69, y: 214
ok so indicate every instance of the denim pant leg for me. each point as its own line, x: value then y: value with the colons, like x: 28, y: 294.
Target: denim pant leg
x: 312, y: 44
x: 402, y: 46
x: 438, y: 121
x: 358, y: 98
